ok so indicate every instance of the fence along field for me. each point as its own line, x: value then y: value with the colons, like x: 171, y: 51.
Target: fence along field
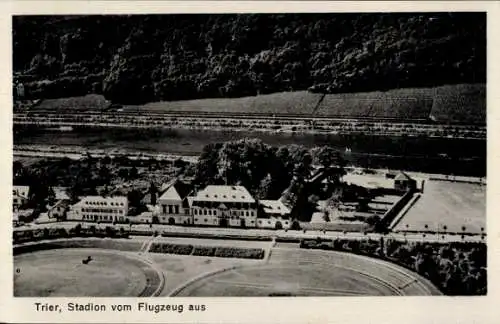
x: 465, y: 103
x: 451, y: 207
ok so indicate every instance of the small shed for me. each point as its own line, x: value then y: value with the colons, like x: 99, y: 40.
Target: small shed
x: 404, y: 182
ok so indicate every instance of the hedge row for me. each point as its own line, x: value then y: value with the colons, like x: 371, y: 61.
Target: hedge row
x: 218, y: 236
x: 82, y: 243
x: 168, y: 248
x: 222, y: 252
x: 242, y: 253
x: 204, y: 251
x: 33, y: 235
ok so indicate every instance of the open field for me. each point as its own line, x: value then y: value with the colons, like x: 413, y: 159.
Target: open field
x: 60, y: 273
x: 450, y: 204
x: 463, y: 103
x: 293, y: 272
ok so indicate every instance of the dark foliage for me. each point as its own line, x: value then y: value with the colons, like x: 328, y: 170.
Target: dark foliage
x: 455, y: 268
x: 135, y: 59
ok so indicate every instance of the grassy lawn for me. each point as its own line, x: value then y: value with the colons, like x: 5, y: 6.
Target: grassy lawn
x: 450, y: 204
x: 60, y: 273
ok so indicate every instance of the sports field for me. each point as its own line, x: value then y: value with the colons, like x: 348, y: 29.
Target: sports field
x: 61, y: 273
x: 450, y: 204
x: 294, y: 272
x: 288, y: 271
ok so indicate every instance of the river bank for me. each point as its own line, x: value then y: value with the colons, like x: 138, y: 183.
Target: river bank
x: 465, y: 157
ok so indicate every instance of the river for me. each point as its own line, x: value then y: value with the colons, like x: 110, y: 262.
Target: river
x: 433, y: 155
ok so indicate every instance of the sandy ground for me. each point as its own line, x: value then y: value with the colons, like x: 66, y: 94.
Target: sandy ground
x: 449, y: 204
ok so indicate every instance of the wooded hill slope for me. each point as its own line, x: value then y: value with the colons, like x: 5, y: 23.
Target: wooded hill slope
x: 138, y: 59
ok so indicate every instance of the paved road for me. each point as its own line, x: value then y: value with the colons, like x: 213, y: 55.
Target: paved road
x: 411, y: 237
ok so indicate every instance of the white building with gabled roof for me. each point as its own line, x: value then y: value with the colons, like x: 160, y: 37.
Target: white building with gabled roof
x: 274, y: 215
x: 174, y: 206
x: 224, y: 206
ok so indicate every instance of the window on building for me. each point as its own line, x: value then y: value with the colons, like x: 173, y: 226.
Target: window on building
x: 176, y: 209
x: 204, y: 212
x: 215, y: 212
x: 210, y: 212
x: 164, y: 208
x: 196, y: 219
x: 251, y: 213
x: 205, y: 220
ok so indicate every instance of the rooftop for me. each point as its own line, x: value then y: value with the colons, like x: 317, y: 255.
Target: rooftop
x: 60, y: 193
x: 21, y: 190
x: 100, y: 199
x: 225, y: 194
x: 177, y: 190
x: 274, y: 207
x: 402, y: 176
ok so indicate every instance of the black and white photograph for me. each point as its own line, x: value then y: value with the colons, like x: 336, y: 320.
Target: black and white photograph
x: 249, y: 155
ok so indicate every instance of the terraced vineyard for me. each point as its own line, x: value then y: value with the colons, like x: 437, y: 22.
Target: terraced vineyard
x: 462, y: 104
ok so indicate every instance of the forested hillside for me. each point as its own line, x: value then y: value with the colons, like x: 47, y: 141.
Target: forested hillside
x: 137, y: 59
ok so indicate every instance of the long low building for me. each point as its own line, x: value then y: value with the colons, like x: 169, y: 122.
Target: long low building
x: 100, y: 209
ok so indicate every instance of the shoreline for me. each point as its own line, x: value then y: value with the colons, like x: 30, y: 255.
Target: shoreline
x: 40, y: 151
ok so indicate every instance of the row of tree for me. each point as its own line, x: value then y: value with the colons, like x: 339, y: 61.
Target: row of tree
x: 455, y: 268
x: 270, y: 172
